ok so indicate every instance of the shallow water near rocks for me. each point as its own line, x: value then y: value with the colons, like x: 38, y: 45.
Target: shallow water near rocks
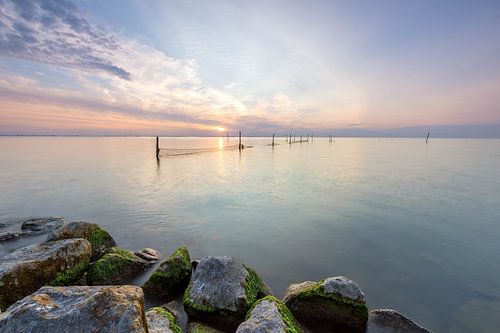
x: 415, y: 225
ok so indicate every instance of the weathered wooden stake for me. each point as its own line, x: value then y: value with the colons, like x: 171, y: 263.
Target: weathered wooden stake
x: 239, y: 141
x: 427, y: 139
x: 290, y: 140
x: 157, y: 147
x: 301, y: 139
x: 273, y: 139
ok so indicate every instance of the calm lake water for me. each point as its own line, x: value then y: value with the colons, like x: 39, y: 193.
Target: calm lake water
x: 416, y: 225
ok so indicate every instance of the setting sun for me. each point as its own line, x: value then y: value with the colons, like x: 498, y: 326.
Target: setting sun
x: 219, y: 128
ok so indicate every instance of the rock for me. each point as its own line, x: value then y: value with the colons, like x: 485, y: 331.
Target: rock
x: 333, y: 304
x: 78, y: 309
x: 221, y: 291
x: 390, y: 321
x: 29, y: 268
x: 172, y: 277
x: 41, y: 225
x: 177, y: 309
x: 9, y: 235
x: 195, y: 327
x: 269, y: 315
x: 161, y: 320
x: 117, y: 266
x: 100, y: 239
x: 2, y: 225
x: 150, y: 255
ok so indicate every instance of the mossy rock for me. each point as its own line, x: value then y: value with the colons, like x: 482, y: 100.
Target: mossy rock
x: 161, y: 320
x: 52, y: 263
x: 334, y: 304
x: 99, y: 238
x: 117, y: 266
x: 221, y: 292
x: 172, y: 277
x: 201, y: 328
x: 269, y: 315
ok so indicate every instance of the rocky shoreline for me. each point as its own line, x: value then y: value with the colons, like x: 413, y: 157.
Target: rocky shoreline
x: 76, y: 281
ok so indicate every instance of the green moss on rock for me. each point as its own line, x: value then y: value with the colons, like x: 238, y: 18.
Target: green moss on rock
x: 115, y: 267
x: 254, y: 287
x: 172, y: 276
x: 70, y: 275
x: 171, y: 318
x: 292, y: 326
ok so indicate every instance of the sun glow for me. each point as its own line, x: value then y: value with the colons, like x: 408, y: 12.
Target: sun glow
x: 219, y: 128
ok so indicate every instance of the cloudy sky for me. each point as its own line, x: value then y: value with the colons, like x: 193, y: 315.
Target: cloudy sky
x: 202, y: 67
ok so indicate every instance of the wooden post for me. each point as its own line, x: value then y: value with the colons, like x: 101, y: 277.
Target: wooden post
x: 239, y: 141
x: 273, y: 139
x: 427, y: 139
x: 290, y: 140
x: 157, y: 147
x: 301, y: 139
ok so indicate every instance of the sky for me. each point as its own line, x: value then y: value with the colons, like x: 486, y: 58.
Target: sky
x: 191, y: 67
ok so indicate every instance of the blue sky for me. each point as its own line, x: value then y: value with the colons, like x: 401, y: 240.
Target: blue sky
x: 199, y: 67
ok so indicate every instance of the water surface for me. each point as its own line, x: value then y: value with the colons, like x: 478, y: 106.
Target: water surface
x: 416, y: 225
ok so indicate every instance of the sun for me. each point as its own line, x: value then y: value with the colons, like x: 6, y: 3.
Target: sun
x: 219, y: 128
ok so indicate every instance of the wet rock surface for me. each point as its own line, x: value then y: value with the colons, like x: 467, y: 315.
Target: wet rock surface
x: 334, y: 304
x: 41, y: 225
x: 221, y: 291
x: 9, y: 235
x: 29, y: 268
x: 161, y: 320
x: 117, y: 266
x: 78, y: 309
x: 99, y: 238
x: 391, y: 321
x: 269, y: 315
x: 171, y: 278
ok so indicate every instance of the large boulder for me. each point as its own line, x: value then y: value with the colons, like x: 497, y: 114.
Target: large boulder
x: 41, y: 225
x: 29, y: 268
x: 117, y: 266
x: 172, y: 277
x: 78, y: 309
x: 390, y: 321
x: 269, y: 315
x: 221, y: 291
x: 100, y: 239
x: 161, y: 320
x: 334, y: 304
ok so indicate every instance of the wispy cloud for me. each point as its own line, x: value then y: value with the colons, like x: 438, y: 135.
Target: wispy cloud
x: 53, y: 32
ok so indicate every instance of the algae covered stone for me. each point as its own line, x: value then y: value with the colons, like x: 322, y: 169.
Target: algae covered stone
x: 99, y: 238
x: 78, y: 309
x: 195, y: 327
x: 161, y: 320
x: 117, y: 266
x: 269, y: 315
x: 221, y: 292
x: 391, y: 321
x: 172, y: 277
x: 336, y: 303
x: 29, y: 268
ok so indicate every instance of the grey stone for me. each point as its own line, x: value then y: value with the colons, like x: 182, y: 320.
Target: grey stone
x: 117, y: 266
x: 29, y: 268
x: 391, y: 321
x: 9, y: 235
x: 160, y: 320
x: 99, y: 238
x: 265, y: 318
x: 217, y: 292
x: 177, y: 309
x: 150, y: 255
x: 41, y: 225
x: 78, y: 309
x: 171, y: 278
x: 195, y: 327
x: 335, y: 304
